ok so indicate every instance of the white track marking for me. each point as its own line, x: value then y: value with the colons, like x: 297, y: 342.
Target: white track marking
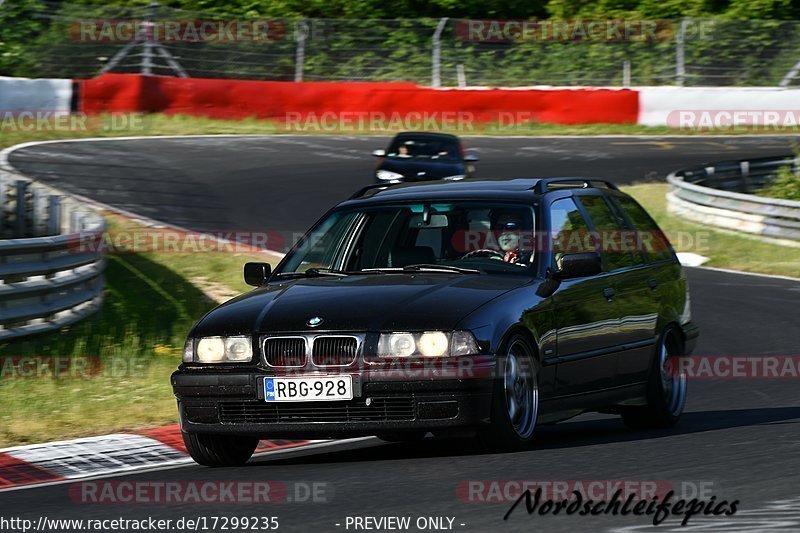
x: 184, y: 461
x: 743, y: 273
x: 107, y: 454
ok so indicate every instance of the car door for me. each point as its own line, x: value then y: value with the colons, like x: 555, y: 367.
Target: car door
x: 651, y: 285
x: 634, y: 304
x: 585, y: 317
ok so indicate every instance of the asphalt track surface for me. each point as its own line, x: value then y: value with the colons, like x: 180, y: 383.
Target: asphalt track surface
x: 738, y: 437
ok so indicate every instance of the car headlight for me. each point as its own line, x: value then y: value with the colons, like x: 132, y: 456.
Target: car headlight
x: 236, y: 349
x: 388, y: 175
x: 427, y: 344
x: 454, y: 178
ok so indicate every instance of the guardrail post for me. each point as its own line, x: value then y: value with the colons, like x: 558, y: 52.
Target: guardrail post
x: 21, y: 208
x: 75, y: 221
x: 744, y: 171
x: 3, y: 200
x: 53, y: 215
x: 39, y: 218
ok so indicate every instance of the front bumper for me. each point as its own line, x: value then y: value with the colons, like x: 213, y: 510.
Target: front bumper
x: 231, y: 402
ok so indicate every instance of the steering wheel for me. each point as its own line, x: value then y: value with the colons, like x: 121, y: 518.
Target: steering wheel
x: 493, y: 254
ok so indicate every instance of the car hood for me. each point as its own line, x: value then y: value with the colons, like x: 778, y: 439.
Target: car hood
x: 422, y: 169
x: 392, y: 302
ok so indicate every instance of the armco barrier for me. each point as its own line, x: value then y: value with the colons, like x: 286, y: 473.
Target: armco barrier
x: 717, y: 195
x: 232, y: 99
x: 684, y: 107
x: 23, y: 94
x: 51, y: 258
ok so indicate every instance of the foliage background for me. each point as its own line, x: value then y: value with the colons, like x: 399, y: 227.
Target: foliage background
x: 736, y: 42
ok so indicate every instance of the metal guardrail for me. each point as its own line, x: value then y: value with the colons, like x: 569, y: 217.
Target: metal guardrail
x: 718, y: 195
x: 51, y: 258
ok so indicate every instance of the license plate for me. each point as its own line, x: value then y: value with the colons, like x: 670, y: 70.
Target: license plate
x: 308, y: 389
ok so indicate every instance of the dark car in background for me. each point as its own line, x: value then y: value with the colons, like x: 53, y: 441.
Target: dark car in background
x: 423, y: 157
x: 478, y: 306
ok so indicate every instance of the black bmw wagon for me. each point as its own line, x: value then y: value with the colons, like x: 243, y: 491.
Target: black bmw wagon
x: 476, y: 308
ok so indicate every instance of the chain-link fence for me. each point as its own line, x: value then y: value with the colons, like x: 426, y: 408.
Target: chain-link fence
x: 79, y: 41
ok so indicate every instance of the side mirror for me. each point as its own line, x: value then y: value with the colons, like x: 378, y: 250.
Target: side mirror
x: 379, y: 153
x: 578, y: 265
x: 471, y: 157
x: 256, y: 274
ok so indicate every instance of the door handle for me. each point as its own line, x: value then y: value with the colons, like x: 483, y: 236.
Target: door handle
x: 652, y: 283
x: 609, y: 292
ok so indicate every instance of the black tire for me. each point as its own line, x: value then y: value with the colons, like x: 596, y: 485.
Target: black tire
x: 666, y: 390
x: 513, y: 426
x: 219, y: 450
x: 402, y: 436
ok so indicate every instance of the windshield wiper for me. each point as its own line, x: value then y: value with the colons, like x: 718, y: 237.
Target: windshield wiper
x: 314, y: 273
x: 443, y: 268
x: 423, y: 267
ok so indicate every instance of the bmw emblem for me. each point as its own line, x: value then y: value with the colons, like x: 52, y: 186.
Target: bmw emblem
x: 314, y: 321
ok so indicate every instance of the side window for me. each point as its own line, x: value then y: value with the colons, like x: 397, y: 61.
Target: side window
x: 616, y: 251
x: 650, y: 239
x: 319, y: 249
x: 569, y: 232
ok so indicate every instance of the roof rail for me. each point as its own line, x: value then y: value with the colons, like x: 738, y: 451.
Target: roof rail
x: 548, y: 184
x: 364, y: 190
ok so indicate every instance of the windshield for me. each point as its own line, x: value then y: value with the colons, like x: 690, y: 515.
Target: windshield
x: 489, y: 237
x: 422, y: 148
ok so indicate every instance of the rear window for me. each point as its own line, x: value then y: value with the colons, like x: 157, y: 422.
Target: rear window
x: 651, y: 239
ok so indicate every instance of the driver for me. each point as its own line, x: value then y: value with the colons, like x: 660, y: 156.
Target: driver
x: 509, y: 229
